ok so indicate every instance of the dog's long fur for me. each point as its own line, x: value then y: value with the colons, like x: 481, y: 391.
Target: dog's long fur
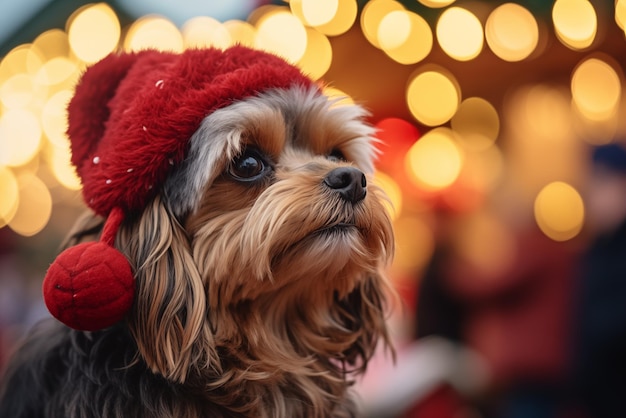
x: 250, y: 300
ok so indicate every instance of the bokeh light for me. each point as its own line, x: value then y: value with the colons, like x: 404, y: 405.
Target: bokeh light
x: 34, y: 207
x: 405, y: 36
x: 9, y: 190
x: 314, y: 12
x: 342, y: 20
x: 436, y: 3
x: 318, y: 55
x: 477, y: 123
x: 596, y: 89
x: 241, y: 33
x: 393, y: 192
x: 93, y: 32
x: 52, y: 43
x: 435, y: 161
x: 20, y: 137
x: 337, y: 96
x: 559, y: 211
x: 54, y: 117
x: 575, y: 22
x: 24, y: 58
x: 282, y: 33
x: 56, y: 71
x: 460, y: 34
x: 512, y: 32
x: 371, y: 16
x: 203, y: 32
x: 153, y: 32
x: 433, y: 96
x: 59, y: 160
x: 620, y: 13
x: 18, y: 91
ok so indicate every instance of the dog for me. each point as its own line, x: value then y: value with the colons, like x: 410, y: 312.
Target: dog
x: 258, y: 261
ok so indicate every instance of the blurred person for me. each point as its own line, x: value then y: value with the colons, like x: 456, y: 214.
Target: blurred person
x: 599, y: 377
x: 516, y: 316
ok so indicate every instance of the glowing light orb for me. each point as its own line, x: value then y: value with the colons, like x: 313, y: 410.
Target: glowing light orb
x: 282, y: 33
x: 34, y: 208
x: 153, y: 32
x: 575, y: 22
x: 435, y: 161
x: 596, y: 89
x: 460, y: 34
x: 512, y: 32
x: 559, y: 211
x: 433, y: 96
x: 405, y: 36
x: 94, y: 32
x: 203, y: 32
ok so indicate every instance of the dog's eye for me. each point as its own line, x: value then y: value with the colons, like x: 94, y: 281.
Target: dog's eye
x: 337, y: 156
x: 250, y: 165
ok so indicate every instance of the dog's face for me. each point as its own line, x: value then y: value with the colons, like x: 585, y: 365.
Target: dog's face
x: 269, y: 243
x: 291, y: 213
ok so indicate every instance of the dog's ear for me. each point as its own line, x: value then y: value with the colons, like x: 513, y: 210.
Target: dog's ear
x: 169, y: 317
x: 363, y: 313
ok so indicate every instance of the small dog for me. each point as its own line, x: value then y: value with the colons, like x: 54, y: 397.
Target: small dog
x: 258, y: 263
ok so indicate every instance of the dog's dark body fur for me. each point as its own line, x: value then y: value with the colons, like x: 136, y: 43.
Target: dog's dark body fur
x: 66, y: 373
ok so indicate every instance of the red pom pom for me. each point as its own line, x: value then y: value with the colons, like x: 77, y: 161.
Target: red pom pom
x: 89, y: 286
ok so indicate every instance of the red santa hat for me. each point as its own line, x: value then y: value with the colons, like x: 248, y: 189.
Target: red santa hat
x: 130, y: 124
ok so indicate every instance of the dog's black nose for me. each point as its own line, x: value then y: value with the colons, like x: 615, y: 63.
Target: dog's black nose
x: 349, y: 182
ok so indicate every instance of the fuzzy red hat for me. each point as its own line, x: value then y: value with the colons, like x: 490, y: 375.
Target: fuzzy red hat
x: 130, y: 122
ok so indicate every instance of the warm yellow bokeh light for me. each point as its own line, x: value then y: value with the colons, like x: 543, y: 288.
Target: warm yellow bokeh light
x: 23, y: 59
x: 241, y: 33
x: 314, y: 12
x: 52, y: 43
x: 460, y: 34
x: 9, y: 191
x: 204, y: 31
x: 94, y: 32
x: 433, y: 97
x: 337, y: 97
x: 153, y: 32
x: 512, y: 32
x: 59, y: 158
x: 34, y: 208
x: 54, y: 117
x: 435, y: 161
x: 435, y: 4
x: 415, y: 244
x: 343, y: 19
x: 282, y: 33
x: 477, y: 122
x: 559, y: 211
x: 372, y: 14
x: 20, y: 137
x: 575, y: 22
x: 18, y: 91
x: 393, y: 192
x: 620, y: 13
x: 405, y: 36
x: 56, y: 71
x: 318, y: 55
x: 596, y: 89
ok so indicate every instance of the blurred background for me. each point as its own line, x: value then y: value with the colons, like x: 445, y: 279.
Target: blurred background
x: 502, y: 128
